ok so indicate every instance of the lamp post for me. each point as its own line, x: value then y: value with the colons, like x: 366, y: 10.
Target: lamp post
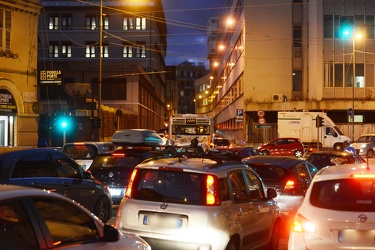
x: 100, y: 67
x: 354, y: 82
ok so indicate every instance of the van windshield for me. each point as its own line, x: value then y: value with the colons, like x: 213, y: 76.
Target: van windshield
x: 338, y: 131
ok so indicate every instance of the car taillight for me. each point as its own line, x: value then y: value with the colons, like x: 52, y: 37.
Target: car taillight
x: 301, y: 225
x: 212, y: 195
x: 129, y: 188
x: 121, y: 155
x: 289, y: 185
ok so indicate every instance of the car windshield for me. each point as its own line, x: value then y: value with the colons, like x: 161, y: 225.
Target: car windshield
x: 168, y: 186
x: 270, y: 172
x: 111, y: 161
x: 80, y: 151
x: 344, y: 195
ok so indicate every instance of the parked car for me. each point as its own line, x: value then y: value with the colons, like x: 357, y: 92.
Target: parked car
x: 338, y: 210
x: 322, y: 159
x: 53, y: 170
x: 199, y: 203
x: 114, y: 169
x: 283, y: 147
x: 39, y: 219
x: 289, y: 176
x: 85, y: 152
x: 220, y: 141
x: 365, y: 145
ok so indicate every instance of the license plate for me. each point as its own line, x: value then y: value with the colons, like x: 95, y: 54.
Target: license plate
x: 357, y: 237
x: 115, y: 191
x: 162, y: 221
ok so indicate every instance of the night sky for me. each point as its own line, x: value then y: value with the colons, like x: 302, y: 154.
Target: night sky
x: 187, y: 28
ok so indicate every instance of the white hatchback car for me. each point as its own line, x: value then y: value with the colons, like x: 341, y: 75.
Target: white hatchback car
x: 338, y: 211
x: 31, y: 218
x: 199, y: 203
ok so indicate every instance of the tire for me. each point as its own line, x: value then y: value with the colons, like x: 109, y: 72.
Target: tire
x: 102, y: 209
x: 370, y: 153
x: 275, y: 237
x: 338, y: 147
x: 265, y: 152
x: 298, y: 153
x: 233, y: 245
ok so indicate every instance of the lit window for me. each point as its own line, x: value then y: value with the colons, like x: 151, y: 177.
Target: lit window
x: 53, y: 49
x: 91, y: 22
x: 140, y: 23
x: 90, y: 49
x: 128, y: 23
x: 127, y: 51
x: 66, y: 50
x: 53, y: 23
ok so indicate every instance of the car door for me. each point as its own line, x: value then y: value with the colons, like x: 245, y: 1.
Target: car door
x: 35, y: 170
x: 246, y: 212
x: 73, y: 184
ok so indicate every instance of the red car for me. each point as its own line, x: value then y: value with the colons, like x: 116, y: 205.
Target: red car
x: 283, y: 147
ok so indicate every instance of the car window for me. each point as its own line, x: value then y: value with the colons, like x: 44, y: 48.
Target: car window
x: 110, y: 161
x: 65, y: 167
x: 313, y: 170
x: 238, y: 186
x: 344, y: 195
x: 33, y: 165
x: 270, y: 172
x: 16, y: 230
x: 169, y: 186
x: 254, y: 185
x: 302, y: 172
x: 82, y: 152
x: 224, y: 189
x: 66, y: 223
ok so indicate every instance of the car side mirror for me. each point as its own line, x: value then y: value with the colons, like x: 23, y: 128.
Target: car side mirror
x: 271, y: 193
x: 110, y: 233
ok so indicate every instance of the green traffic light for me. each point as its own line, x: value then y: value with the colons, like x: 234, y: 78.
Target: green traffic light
x: 64, y: 124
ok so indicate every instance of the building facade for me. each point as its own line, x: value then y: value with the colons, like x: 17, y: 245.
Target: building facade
x: 120, y: 86
x: 291, y: 55
x: 18, y: 73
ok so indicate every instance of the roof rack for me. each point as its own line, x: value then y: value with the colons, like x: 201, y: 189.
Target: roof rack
x: 218, y: 156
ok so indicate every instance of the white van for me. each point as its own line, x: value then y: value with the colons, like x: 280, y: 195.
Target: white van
x: 85, y: 152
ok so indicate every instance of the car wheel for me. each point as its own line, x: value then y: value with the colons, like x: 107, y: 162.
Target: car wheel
x: 338, y: 147
x: 275, y: 237
x: 232, y: 245
x: 298, y: 153
x: 370, y: 153
x: 101, y: 209
x: 265, y: 152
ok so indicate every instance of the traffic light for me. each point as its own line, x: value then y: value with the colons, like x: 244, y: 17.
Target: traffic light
x: 346, y: 26
x: 62, y: 122
x: 319, y: 121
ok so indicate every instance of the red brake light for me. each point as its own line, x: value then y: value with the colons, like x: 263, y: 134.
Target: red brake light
x: 289, y: 185
x: 118, y: 155
x: 212, y: 194
x: 129, y: 188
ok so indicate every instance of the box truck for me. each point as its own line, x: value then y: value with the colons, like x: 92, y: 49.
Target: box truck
x: 303, y: 125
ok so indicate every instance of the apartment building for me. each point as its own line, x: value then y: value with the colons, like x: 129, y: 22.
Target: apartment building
x: 291, y: 55
x: 18, y: 74
x: 120, y: 86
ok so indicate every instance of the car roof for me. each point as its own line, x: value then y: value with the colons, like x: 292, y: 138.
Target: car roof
x: 332, y: 153
x: 14, y: 191
x: 281, y: 161
x: 343, y: 171
x: 4, y: 150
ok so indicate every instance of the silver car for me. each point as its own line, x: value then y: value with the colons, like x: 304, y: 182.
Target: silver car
x: 365, y: 145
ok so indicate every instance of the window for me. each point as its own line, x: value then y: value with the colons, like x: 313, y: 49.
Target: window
x: 91, y: 22
x: 90, y: 49
x: 254, y: 185
x: 5, y: 28
x: 140, y: 23
x: 140, y: 50
x: 105, y: 52
x: 66, y: 49
x: 66, y: 223
x: 65, y: 167
x: 53, y: 23
x: 105, y: 23
x: 238, y: 186
x: 127, y: 50
x: 33, y: 165
x: 128, y: 23
x: 53, y: 49
x: 66, y: 22
x: 16, y: 230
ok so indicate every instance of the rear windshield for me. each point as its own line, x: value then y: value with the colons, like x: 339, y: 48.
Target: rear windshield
x: 270, y: 172
x: 168, y: 186
x: 88, y: 152
x: 344, y: 195
x: 110, y: 161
